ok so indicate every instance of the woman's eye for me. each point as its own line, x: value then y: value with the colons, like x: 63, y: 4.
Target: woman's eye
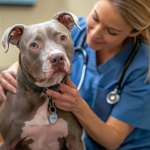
x: 112, y: 33
x: 95, y: 19
x: 63, y: 38
x: 34, y: 46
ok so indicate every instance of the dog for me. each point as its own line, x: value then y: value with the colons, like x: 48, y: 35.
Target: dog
x: 29, y: 119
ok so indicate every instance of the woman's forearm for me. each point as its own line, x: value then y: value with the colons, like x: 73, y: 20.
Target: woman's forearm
x: 102, y: 133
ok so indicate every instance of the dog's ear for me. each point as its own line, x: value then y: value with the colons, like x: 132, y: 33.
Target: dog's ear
x: 67, y: 19
x: 12, y: 35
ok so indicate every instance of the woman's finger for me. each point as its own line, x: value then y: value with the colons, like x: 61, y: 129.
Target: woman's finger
x: 10, y: 78
x: 14, y: 74
x: 68, y: 88
x: 62, y: 104
x: 55, y: 94
x: 63, y: 88
x: 62, y: 107
x: 6, y: 85
x: 2, y: 92
x: 70, y: 83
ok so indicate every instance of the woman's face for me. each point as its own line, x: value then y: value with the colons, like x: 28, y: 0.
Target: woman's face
x: 106, y: 28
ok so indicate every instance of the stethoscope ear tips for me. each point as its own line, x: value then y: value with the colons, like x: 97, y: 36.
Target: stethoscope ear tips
x: 113, y: 97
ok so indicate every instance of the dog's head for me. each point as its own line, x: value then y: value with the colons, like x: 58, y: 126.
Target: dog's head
x: 46, y: 49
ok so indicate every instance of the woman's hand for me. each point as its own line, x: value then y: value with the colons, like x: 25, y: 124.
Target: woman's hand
x: 8, y: 80
x: 69, y: 99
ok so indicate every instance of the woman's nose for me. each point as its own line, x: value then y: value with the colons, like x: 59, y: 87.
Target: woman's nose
x: 97, y: 32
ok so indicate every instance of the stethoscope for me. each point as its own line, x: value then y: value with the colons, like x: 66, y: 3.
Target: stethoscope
x: 112, y: 97
x: 85, y: 57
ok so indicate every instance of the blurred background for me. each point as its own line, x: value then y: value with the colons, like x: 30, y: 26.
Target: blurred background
x: 32, y: 12
x: 40, y: 11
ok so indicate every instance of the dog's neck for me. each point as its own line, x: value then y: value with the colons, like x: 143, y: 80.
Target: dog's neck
x: 40, y: 89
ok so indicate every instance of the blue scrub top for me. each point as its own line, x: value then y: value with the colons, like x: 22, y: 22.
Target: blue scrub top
x: 134, y: 105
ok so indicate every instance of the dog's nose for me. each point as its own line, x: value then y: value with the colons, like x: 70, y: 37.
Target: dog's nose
x: 57, y: 59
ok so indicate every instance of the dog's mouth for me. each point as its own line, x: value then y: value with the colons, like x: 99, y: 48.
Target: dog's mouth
x: 50, y: 74
x: 50, y: 70
x: 54, y: 75
x: 39, y: 80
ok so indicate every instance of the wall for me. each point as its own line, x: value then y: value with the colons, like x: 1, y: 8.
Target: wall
x: 0, y: 135
x: 10, y: 15
x: 80, y: 7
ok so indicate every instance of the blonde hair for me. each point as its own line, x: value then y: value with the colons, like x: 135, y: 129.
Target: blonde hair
x: 137, y: 14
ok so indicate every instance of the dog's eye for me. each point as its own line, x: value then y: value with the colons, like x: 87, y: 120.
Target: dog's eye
x: 63, y: 38
x: 34, y: 46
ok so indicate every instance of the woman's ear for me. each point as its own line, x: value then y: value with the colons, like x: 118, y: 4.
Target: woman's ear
x: 135, y: 33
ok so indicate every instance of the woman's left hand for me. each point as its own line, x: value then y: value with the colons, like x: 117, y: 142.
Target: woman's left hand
x: 69, y: 99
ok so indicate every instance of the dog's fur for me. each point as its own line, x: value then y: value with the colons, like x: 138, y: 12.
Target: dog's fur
x: 45, y: 58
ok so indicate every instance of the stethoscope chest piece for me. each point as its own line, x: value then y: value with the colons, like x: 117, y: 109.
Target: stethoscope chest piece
x: 113, y: 97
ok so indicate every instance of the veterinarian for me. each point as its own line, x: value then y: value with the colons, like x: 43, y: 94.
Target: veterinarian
x: 113, y: 27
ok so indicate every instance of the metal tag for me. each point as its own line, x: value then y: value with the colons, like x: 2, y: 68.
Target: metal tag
x: 53, y: 118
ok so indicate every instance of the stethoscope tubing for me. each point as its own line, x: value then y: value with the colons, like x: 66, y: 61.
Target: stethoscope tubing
x: 135, y: 48
x: 82, y: 76
x: 85, y: 58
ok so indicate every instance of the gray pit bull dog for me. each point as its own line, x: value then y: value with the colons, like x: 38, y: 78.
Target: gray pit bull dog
x: 46, y: 53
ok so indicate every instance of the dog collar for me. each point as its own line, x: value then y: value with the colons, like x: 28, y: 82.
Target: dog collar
x: 41, y: 89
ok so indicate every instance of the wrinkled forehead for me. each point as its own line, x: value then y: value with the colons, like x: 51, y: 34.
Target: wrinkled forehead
x: 45, y: 30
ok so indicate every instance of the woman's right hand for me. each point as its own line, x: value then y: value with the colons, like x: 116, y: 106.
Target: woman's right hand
x: 8, y: 80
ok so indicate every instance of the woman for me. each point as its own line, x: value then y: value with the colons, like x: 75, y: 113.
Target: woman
x: 112, y: 28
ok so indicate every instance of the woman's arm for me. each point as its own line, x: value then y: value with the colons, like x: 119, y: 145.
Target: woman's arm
x: 110, y: 134
x: 8, y: 80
